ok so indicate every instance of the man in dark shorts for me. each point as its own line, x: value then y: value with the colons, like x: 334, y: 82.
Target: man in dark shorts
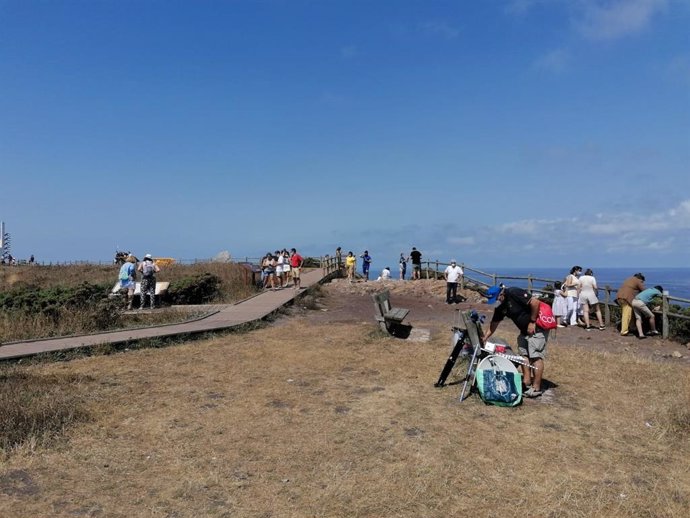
x: 523, y: 309
x: 416, y: 258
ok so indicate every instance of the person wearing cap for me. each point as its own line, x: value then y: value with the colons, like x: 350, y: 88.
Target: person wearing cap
x: 523, y: 309
x: 148, y: 269
x: 453, y: 273
x: 366, y: 263
x: 630, y: 288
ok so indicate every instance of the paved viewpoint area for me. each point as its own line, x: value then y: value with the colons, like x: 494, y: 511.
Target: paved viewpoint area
x: 227, y: 316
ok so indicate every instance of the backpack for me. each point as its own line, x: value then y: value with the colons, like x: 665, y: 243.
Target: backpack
x: 125, y: 271
x: 546, y: 320
x: 149, y: 269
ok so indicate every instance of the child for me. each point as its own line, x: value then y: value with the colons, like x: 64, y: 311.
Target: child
x: 560, y: 304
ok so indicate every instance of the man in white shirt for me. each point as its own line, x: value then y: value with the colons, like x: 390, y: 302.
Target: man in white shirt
x: 452, y: 274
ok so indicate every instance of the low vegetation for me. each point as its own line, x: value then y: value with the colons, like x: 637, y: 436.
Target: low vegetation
x: 45, y: 301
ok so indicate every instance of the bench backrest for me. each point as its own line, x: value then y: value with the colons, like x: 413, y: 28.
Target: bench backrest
x: 383, y: 302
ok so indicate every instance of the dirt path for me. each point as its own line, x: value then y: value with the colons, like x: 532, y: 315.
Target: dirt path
x: 345, y: 303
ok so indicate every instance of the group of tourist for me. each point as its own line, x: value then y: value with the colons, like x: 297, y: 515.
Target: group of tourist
x: 574, y: 299
x: 350, y: 265
x: 279, y: 268
x: 577, y: 296
x: 128, y: 280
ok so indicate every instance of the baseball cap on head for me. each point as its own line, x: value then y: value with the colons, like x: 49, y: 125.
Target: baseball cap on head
x: 148, y: 256
x: 493, y: 294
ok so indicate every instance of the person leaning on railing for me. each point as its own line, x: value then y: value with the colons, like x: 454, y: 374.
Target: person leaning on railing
x: 640, y: 306
x: 626, y: 293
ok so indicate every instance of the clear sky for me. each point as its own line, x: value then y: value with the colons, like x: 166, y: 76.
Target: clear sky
x: 498, y: 132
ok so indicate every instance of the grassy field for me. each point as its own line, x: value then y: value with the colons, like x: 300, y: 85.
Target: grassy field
x: 303, y: 419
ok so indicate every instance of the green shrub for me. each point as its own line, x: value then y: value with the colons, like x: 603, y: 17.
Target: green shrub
x: 198, y: 289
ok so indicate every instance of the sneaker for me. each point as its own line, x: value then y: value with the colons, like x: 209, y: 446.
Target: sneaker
x: 601, y: 328
x: 589, y: 328
x: 641, y: 337
x: 561, y: 325
x: 653, y: 333
x: 533, y: 393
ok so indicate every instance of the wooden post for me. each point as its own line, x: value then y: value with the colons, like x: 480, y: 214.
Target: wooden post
x: 529, y: 282
x: 607, y: 307
x: 664, y: 315
x: 462, y: 277
x: 493, y: 280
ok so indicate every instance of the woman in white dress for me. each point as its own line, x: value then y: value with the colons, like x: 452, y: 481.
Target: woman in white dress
x: 587, y: 297
x: 571, y: 286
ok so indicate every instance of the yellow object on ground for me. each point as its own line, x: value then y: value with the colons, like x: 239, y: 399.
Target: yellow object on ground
x: 164, y: 261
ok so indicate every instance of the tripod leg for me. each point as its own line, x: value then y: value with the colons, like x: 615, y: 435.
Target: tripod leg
x: 450, y: 363
x: 471, y: 370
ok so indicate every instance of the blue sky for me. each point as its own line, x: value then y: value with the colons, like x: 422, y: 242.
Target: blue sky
x: 498, y: 132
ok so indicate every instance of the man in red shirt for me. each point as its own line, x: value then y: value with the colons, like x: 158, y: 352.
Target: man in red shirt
x: 295, y: 267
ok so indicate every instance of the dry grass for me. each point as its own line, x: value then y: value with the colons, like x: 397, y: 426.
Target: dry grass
x: 302, y: 419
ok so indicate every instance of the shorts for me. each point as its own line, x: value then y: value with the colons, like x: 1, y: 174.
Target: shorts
x: 128, y: 285
x: 534, y: 346
x: 295, y: 273
x: 640, y: 308
x: 417, y: 267
x: 286, y: 268
x: 279, y: 269
x: 588, y: 298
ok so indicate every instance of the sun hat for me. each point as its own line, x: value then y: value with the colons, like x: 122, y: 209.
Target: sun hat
x: 493, y: 294
x: 148, y: 256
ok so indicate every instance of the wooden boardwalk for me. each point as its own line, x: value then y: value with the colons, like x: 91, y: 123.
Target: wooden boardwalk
x: 227, y: 316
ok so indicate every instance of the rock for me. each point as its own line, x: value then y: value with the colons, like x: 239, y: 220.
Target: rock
x: 676, y: 354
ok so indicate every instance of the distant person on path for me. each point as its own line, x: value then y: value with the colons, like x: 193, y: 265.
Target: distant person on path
x: 630, y: 288
x: 280, y: 261
x: 640, y: 306
x: 268, y: 266
x: 523, y: 309
x: 416, y: 258
x: 286, y: 268
x: 148, y: 270
x: 296, y: 262
x: 560, y: 303
x: 571, y: 285
x: 32, y: 260
x: 339, y: 258
x: 366, y: 264
x: 453, y: 273
x: 587, y: 298
x: 128, y: 279
x: 350, y: 264
x: 403, y: 266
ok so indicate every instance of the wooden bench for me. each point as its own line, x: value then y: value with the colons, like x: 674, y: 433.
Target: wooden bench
x: 388, y: 317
